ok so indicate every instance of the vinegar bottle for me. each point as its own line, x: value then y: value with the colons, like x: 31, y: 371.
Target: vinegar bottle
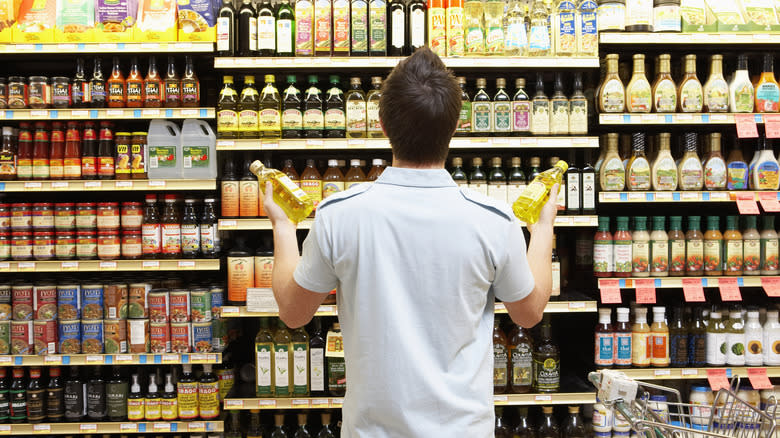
x: 296, y: 204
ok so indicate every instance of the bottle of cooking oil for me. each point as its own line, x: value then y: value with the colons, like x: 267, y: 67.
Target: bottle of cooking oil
x: 270, y: 110
x: 374, y: 128
x: 247, y: 109
x: 494, y: 27
x: 356, y: 110
x: 539, y: 41
x: 475, y: 27
x: 297, y: 205
x: 227, y: 110
x: 529, y: 205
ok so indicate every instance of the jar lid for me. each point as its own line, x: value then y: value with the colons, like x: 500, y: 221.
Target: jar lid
x: 43, y: 233
x: 108, y: 233
x: 701, y: 389
x: 38, y: 78
x: 86, y: 233
x: 20, y: 204
x: 4, y: 234
x: 125, y: 134
x: 42, y: 204
x: 64, y: 233
x: 60, y: 79
x: 607, y: 2
x: 4, y: 205
x: 666, y: 2
x: 131, y: 232
x: 659, y: 398
x: 108, y: 204
x: 64, y: 205
x: 17, y: 79
x: 131, y: 204
x: 139, y: 133
x: 21, y: 233
x: 85, y: 204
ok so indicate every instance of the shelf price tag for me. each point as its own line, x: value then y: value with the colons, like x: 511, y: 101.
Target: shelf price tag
x: 769, y: 202
x: 161, y: 427
x: 5, y: 266
x: 4, y: 360
x: 746, y: 128
x: 32, y: 185
x: 41, y: 428
x: 772, y: 125
x: 94, y: 359
x: 662, y: 372
x: 301, y: 403
x: 60, y: 185
x: 771, y: 286
x: 128, y: 427
x: 693, y: 290
x: 227, y: 224
x: 746, y: 203
x: 229, y: 311
x: 645, y: 291
x: 123, y: 358
x: 500, y: 399
x: 543, y: 398
x: 88, y: 427
x: 93, y: 185
x: 170, y: 358
x: 610, y: 292
x: 150, y: 264
x: 319, y: 403
x: 52, y: 360
x: 238, y: 404
x: 123, y: 185
x: 5, y: 429
x: 729, y: 290
x: 197, y: 426
x: 758, y: 378
x: 25, y: 266
x: 186, y: 264
x: 717, y: 378
x: 689, y: 372
x: 107, y: 266
x: 576, y: 305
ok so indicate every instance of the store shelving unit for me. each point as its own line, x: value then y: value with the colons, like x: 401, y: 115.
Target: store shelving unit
x: 110, y: 265
x: 117, y: 427
x: 560, y: 398
x: 265, y: 224
x: 112, y: 48
x: 111, y: 359
x: 691, y: 373
x: 673, y: 119
x: 382, y: 143
x: 386, y: 62
x: 677, y: 282
x: 107, y: 114
x: 643, y: 197
x: 687, y: 39
x: 109, y: 185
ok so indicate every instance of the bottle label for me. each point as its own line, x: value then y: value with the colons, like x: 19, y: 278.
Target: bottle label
x: 152, y: 409
x: 134, y: 91
x: 356, y: 116
x: 691, y: 174
x: 266, y: 27
x: 641, y: 348
x: 500, y: 363
x: 548, y: 374
x: 712, y: 253
x: 169, y: 409
x: 88, y: 166
x: 284, y: 37
x: 341, y: 27
x: 304, y: 17
x: 188, y: 400
x: 281, y: 370
x: 40, y: 168
x: 613, y: 96
x: 106, y: 166
x: 604, y: 349
x: 317, y: 369
x: 322, y: 29
x: 171, y: 238
x: 162, y: 157
x: 372, y: 114
x: 208, y: 400
x: 715, y: 174
x: 264, y: 369
x: 769, y: 254
x: 767, y: 175
x: 522, y: 365
x: 735, y: 353
x: 588, y: 191
x: 300, y: 368
x: 152, y: 91
x: 98, y: 91
x: 417, y: 29
x: 638, y: 175
x: 331, y: 188
x: 190, y: 238
x: 623, y: 349
x: 152, y: 240
x: 313, y: 188
x: 736, y: 175
x: 521, y: 116
x: 196, y: 157
x: 602, y: 256
x: 540, y: 117
x: 641, y: 256
x: 313, y: 120
x: 613, y: 175
x: 767, y: 98
x: 116, y: 92
x: 516, y: 38
x: 677, y: 255
x: 475, y: 40
x: 665, y: 98
x: 227, y: 120
x: 398, y: 29
x: 573, y: 190
x: 360, y: 26
x: 208, y: 236
x: 539, y: 38
x: 437, y: 30
x: 578, y: 117
x: 716, y: 348
x: 478, y: 187
x: 659, y: 250
x: 640, y: 97
x: 754, y: 348
x: 665, y: 174
x: 566, y: 40
x: 135, y: 409
x: 716, y: 97
x: 622, y: 251
x: 292, y: 119
x: 464, y: 120
x: 695, y: 255
x: 269, y: 119
x: 249, y: 198
x: 502, y: 116
x: 733, y: 258
x: 223, y: 34
x: 481, y: 116
x: 455, y: 40
x: 494, y: 40
x: 378, y: 21
x: 335, y: 119
x: 691, y: 97
x: 660, y: 348
x: 744, y: 99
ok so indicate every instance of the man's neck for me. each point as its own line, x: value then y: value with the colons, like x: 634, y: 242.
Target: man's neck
x: 412, y: 165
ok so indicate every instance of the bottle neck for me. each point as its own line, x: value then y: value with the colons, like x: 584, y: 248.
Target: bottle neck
x: 716, y: 69
x: 690, y: 67
x: 639, y: 67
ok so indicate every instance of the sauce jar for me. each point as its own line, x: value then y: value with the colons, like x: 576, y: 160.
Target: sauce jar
x: 43, y: 245
x: 612, y: 15
x: 108, y: 216
x: 21, y: 245
x: 666, y: 16
x: 132, y: 215
x: 17, y: 92
x: 132, y: 244
x: 86, y: 245
x: 64, y: 216
x: 38, y: 92
x: 5, y: 217
x: 43, y: 216
x: 65, y: 245
x: 109, y: 246
x: 21, y: 216
x: 701, y: 400
x: 86, y: 216
x: 5, y: 245
x: 3, y: 93
x: 60, y: 92
x: 124, y: 155
x: 137, y: 151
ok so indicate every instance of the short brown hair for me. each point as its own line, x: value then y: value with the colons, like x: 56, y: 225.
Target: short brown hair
x: 420, y: 107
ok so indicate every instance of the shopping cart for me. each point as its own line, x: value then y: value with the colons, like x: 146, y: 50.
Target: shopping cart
x: 728, y: 416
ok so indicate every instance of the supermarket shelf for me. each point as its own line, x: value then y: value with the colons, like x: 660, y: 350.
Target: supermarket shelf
x: 117, y: 427
x: 114, y: 48
x: 674, y: 119
x: 332, y: 310
x: 111, y: 359
x: 691, y: 373
x: 385, y: 62
x: 265, y: 224
x: 108, y: 186
x: 107, y: 114
x: 677, y: 282
x: 642, y: 197
x: 113, y: 265
x: 560, y: 398
x: 382, y: 143
x: 688, y: 39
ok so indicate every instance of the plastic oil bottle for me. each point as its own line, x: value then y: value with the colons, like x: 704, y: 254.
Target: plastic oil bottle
x: 529, y: 205
x: 475, y: 28
x: 295, y: 202
x: 163, y: 151
x: 199, y: 150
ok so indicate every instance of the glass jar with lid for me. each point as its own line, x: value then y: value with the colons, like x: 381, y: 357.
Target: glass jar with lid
x: 43, y: 245
x: 65, y: 245
x: 108, y: 216
x: 17, y: 92
x: 109, y: 247
x: 86, y: 245
x: 21, y: 245
x: 39, y: 92
x: 21, y: 216
x: 701, y: 400
x: 64, y: 216
x: 666, y: 16
x: 132, y: 215
x: 43, y: 216
x: 132, y: 244
x: 3, y: 93
x: 60, y: 92
x: 5, y: 245
x: 612, y: 15
x: 86, y: 216
x: 5, y: 217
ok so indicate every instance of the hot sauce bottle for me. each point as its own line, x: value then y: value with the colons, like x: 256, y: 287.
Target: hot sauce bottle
x: 190, y: 86
x: 72, y: 155
x: 89, y: 152
x: 172, y: 86
x: 57, y: 154
x: 24, y: 163
x: 135, y: 85
x: 152, y: 86
x: 105, y: 168
x: 117, y: 92
x: 41, y: 151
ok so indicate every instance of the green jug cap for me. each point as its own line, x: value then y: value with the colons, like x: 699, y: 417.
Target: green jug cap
x: 694, y: 222
x: 313, y: 79
x: 334, y: 79
x: 603, y: 223
x: 291, y: 79
x: 622, y: 222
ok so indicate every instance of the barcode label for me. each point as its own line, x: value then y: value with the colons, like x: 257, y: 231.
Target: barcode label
x: 187, y: 162
x: 153, y: 163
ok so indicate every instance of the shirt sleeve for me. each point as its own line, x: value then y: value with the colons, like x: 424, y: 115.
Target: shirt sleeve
x: 315, y: 270
x: 514, y: 280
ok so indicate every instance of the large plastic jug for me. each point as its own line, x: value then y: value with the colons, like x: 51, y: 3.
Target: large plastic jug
x: 163, y: 151
x: 199, y: 150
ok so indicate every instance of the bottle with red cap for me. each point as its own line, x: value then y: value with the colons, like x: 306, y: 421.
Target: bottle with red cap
x: 171, y: 229
x: 89, y: 151
x: 72, y: 154
x: 105, y: 169
x: 40, y: 159
x: 150, y: 229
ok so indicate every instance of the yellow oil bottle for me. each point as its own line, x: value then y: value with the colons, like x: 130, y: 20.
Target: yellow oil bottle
x: 529, y: 204
x: 297, y: 205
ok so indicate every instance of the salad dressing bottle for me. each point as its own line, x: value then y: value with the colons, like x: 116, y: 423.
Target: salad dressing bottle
x: 622, y: 248
x: 766, y: 169
x: 716, y: 340
x: 751, y: 247
x: 732, y: 247
x: 664, y: 174
x: 767, y: 90
x: 638, y: 168
x: 741, y: 92
x: 735, y: 339
x: 736, y: 169
x: 612, y: 94
x: 659, y: 248
x: 676, y: 247
x: 690, y: 91
x: 664, y: 88
x: 694, y: 247
x: 690, y: 171
x: 640, y: 339
x: 640, y: 248
x: 659, y: 333
x: 769, y: 246
x: 639, y: 94
x: 713, y: 247
x: 612, y: 175
x: 716, y: 90
x: 714, y: 165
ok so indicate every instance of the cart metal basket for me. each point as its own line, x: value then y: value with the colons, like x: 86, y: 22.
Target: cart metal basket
x: 728, y: 416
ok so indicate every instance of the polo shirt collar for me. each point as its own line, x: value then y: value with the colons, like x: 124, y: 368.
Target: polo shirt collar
x: 401, y: 176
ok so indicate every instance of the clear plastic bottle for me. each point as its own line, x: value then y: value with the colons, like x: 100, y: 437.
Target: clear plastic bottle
x: 294, y: 201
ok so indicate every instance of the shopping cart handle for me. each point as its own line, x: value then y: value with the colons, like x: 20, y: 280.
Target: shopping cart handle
x: 613, y: 385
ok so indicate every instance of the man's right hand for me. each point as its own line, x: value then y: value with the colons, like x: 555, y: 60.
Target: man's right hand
x: 548, y: 214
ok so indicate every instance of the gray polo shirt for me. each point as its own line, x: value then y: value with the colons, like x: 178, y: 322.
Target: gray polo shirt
x: 417, y: 263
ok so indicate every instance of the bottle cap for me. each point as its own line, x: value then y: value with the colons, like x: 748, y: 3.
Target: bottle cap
x: 354, y: 162
x: 270, y: 78
x: 249, y: 78
x: 496, y: 161
x: 516, y: 162
x: 476, y: 161
x: 376, y: 162
x: 333, y: 163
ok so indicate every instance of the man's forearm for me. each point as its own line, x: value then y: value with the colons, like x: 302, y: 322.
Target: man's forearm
x: 286, y: 258
x: 540, y: 262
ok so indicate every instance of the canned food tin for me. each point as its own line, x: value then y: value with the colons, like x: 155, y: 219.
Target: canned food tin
x: 159, y: 337
x: 21, y: 337
x: 69, y: 302
x: 45, y: 302
x: 180, y: 337
x: 69, y: 337
x: 201, y: 337
x: 5, y: 303
x: 159, y: 305
x: 5, y: 337
x: 136, y: 301
x: 138, y: 334
x: 115, y: 300
x: 200, y: 305
x: 217, y: 301
x: 22, y: 302
x: 115, y: 336
x: 45, y: 337
x: 180, y: 305
x: 92, y: 336
x: 92, y: 301
x: 219, y: 337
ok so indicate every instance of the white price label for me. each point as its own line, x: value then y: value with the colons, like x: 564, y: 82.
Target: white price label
x: 5, y: 266
x: 33, y: 185
x: 79, y: 114
x: 93, y: 185
x: 576, y: 304
x: 156, y: 183
x: 267, y: 403
x: 683, y: 117
x: 226, y: 143
x: 48, y: 360
x: 229, y: 311
x: 95, y: 359
x: 236, y: 403
x: 150, y: 113
x: 606, y: 196
x: 691, y: 196
x: 123, y: 358
x: 228, y: 225
x: 313, y: 142
x: 197, y: 426
x: 128, y: 427
x: 115, y: 113
x: 39, y: 113
x: 689, y: 372
x: 186, y: 264
x: 663, y: 196
x: 41, y: 428
x: 26, y: 266
x: 123, y: 184
x: 161, y: 427
x: 68, y: 47
x: 500, y: 399
x: 6, y: 359
x: 88, y: 427
x: 719, y: 118
x: 5, y: 429
x: 636, y: 196
x: 300, y: 403
x: 319, y: 403
x: 170, y: 358
x: 150, y: 264
x: 719, y: 196
x: 543, y: 398
x: 662, y: 372
x: 189, y: 112
x: 60, y: 185
x: 107, y: 265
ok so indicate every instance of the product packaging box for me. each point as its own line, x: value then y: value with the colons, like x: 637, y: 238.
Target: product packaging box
x: 197, y: 20
x: 697, y: 16
x: 156, y: 21
x: 115, y: 20
x: 35, y: 21
x: 75, y: 21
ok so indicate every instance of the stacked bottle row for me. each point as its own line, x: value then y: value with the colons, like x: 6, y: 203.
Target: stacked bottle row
x: 639, y: 171
x: 741, y: 95
x: 576, y: 194
x: 639, y: 253
x: 522, y: 365
x: 547, y: 426
x: 694, y: 337
x: 100, y: 91
x: 190, y: 232
x: 242, y: 196
x: 398, y: 27
x: 248, y: 268
x: 96, y: 396
x: 303, y: 428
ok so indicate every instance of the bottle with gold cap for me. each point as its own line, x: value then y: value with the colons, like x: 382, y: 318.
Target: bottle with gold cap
x: 356, y: 110
x: 247, y: 109
x: 270, y: 109
x: 297, y: 205
x: 227, y: 110
x: 374, y: 128
x: 529, y: 205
